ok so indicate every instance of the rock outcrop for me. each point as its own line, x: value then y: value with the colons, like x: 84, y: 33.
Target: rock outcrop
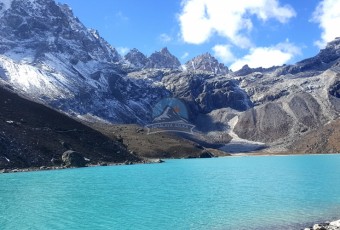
x: 204, y: 92
x: 207, y: 63
x: 163, y: 59
x: 73, y: 159
x: 136, y: 59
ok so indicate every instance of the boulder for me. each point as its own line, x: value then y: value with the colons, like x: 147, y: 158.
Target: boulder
x: 335, y: 224
x: 160, y: 161
x: 73, y: 159
x: 206, y: 154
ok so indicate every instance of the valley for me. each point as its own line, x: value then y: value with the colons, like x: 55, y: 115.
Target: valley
x: 47, y: 56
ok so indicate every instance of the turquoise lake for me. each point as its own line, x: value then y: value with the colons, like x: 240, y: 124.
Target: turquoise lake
x: 279, y: 192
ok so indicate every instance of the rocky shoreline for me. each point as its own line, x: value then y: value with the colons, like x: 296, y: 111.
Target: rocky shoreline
x: 102, y: 164
x: 334, y: 225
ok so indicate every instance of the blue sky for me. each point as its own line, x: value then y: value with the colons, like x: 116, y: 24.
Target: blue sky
x: 237, y: 32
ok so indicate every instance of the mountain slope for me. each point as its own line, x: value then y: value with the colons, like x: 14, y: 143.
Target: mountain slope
x: 52, y: 58
x: 48, y: 55
x: 289, y: 106
x: 323, y: 140
x: 33, y: 135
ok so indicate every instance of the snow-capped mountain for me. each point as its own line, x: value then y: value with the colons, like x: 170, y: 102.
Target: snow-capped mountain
x: 48, y: 55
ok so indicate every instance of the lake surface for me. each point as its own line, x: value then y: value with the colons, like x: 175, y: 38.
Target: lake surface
x: 223, y: 193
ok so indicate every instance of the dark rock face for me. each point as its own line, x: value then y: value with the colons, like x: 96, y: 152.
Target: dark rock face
x: 334, y: 95
x: 204, y: 93
x: 331, y: 52
x: 163, y: 59
x: 334, y: 90
x: 7, y: 149
x: 206, y: 63
x: 73, y: 159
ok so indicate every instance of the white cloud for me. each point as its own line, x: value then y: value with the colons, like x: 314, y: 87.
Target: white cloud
x: 327, y: 15
x: 224, y: 53
x: 123, y: 50
x: 121, y: 16
x: 165, y: 38
x: 185, y: 55
x: 200, y: 19
x: 268, y: 56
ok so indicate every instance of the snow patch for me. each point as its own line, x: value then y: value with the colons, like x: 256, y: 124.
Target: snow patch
x: 237, y: 144
x: 32, y: 80
x: 6, y: 4
x: 21, y: 55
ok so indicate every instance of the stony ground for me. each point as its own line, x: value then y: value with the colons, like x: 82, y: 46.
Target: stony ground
x: 323, y: 140
x: 32, y: 135
x: 159, y: 145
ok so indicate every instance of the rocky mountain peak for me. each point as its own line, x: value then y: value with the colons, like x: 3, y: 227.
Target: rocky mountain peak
x: 326, y: 58
x: 335, y: 44
x: 206, y: 62
x: 136, y: 59
x: 165, y: 51
x: 163, y: 59
x: 331, y: 52
x: 44, y: 27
